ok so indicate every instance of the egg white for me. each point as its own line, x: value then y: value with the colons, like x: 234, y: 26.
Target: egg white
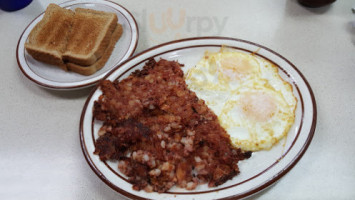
x: 252, y: 102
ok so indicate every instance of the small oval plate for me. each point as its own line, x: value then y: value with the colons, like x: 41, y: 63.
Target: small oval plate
x: 53, y: 77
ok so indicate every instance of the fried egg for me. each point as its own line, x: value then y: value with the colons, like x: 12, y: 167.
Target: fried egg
x: 252, y: 102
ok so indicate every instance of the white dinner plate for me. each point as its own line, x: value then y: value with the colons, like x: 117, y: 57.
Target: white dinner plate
x: 53, y: 77
x: 256, y: 173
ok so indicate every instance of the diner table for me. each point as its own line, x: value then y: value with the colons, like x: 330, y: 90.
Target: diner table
x: 40, y: 152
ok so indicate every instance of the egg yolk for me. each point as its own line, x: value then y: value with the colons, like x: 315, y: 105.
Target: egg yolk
x: 236, y: 67
x: 259, y: 107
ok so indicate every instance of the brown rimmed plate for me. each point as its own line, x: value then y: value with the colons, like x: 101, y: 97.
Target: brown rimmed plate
x: 53, y: 77
x: 257, y: 173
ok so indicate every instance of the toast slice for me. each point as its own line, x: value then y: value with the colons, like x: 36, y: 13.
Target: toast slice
x: 89, y: 70
x: 48, y: 39
x: 89, y: 36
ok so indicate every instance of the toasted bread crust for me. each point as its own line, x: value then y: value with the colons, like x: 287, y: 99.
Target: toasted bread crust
x: 47, y: 40
x: 50, y: 57
x: 90, y: 36
x: 89, y: 70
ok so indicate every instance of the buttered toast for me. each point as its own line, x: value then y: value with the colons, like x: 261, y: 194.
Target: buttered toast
x: 48, y: 39
x: 80, y: 41
x: 89, y: 36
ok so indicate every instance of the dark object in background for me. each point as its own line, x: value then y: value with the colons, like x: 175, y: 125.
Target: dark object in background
x: 315, y: 3
x: 12, y: 5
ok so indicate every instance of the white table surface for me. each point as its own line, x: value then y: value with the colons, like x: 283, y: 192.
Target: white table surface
x: 40, y: 152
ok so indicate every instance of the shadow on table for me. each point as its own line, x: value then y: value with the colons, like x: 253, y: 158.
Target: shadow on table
x: 350, y: 28
x: 63, y: 94
x: 99, y: 187
x: 261, y: 193
x: 70, y: 94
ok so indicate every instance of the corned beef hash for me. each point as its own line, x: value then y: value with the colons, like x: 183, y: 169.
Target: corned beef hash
x: 161, y: 133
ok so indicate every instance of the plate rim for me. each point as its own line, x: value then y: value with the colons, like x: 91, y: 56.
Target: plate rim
x: 252, y: 191
x: 88, y: 81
